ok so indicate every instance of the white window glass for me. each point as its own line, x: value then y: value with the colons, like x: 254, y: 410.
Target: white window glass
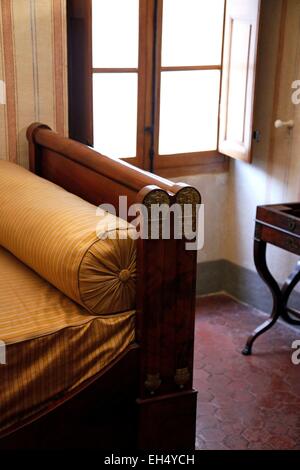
x: 115, y: 114
x: 192, y: 32
x: 115, y: 33
x: 189, y: 111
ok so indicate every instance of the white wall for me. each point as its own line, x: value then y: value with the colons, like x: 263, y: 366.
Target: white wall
x: 214, y: 192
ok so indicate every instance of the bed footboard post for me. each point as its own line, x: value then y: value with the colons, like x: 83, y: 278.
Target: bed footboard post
x: 168, y: 422
x: 165, y: 332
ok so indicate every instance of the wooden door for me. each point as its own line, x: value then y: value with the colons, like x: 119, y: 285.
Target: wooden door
x: 284, y: 158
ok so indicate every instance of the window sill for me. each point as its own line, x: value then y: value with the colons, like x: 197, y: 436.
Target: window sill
x: 177, y: 166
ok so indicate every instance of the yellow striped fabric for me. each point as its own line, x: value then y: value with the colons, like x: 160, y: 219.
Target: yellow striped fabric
x: 52, y: 344
x: 54, y: 233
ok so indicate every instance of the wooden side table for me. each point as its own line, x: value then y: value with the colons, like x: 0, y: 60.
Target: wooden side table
x: 278, y: 225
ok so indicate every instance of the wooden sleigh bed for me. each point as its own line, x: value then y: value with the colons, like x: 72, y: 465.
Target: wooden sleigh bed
x: 144, y: 399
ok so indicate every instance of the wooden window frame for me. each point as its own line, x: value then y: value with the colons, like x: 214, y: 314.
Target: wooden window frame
x: 137, y: 160
x: 149, y: 81
x: 188, y: 162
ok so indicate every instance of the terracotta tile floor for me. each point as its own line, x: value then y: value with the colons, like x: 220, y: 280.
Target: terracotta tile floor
x: 244, y: 402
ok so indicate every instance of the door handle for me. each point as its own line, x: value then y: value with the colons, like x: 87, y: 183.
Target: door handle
x: 279, y: 124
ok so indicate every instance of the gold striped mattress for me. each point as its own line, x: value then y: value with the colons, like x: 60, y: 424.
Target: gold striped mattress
x: 52, y: 344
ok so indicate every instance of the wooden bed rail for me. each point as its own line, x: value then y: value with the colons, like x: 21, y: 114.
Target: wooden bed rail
x: 115, y: 170
x: 166, y: 279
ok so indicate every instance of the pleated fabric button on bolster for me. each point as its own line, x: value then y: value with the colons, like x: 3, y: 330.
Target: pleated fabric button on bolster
x: 124, y: 275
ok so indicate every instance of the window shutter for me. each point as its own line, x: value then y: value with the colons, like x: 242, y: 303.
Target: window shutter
x: 79, y: 14
x: 238, y: 79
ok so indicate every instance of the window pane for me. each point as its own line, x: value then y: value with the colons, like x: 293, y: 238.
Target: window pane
x: 189, y: 111
x: 115, y: 114
x: 192, y: 32
x: 115, y: 33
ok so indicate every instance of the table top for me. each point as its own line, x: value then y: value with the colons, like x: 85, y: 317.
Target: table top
x: 281, y: 216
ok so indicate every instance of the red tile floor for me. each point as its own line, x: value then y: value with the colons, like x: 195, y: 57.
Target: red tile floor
x: 244, y: 402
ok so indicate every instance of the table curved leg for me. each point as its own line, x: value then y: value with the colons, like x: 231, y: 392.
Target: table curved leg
x: 263, y: 271
x: 286, y: 290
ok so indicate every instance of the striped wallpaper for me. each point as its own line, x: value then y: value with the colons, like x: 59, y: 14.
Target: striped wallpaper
x: 33, y: 64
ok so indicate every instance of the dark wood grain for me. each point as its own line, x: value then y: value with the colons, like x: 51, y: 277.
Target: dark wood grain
x: 80, y: 80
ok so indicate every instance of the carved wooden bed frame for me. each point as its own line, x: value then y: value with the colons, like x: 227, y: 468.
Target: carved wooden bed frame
x: 144, y: 399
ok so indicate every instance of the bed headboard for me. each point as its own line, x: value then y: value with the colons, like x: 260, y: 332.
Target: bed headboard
x: 62, y: 161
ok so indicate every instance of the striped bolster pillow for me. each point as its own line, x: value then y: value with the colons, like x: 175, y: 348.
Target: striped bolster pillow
x: 54, y: 233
